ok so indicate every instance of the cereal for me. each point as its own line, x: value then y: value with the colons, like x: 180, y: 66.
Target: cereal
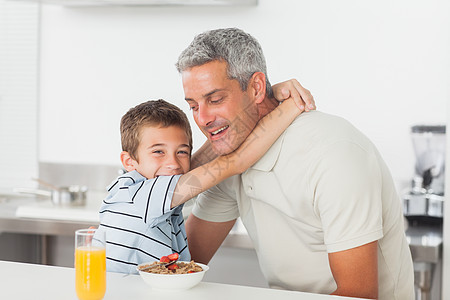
x: 182, y: 268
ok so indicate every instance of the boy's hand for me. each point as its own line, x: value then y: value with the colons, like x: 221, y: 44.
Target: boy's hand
x: 292, y: 88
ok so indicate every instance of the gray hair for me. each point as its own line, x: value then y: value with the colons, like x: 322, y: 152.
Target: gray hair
x: 242, y: 53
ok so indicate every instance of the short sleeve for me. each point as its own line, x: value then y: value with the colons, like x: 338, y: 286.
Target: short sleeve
x: 154, y: 198
x: 348, y: 186
x: 218, y: 204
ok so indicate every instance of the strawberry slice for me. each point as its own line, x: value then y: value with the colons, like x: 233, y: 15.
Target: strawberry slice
x: 172, y: 267
x: 164, y: 259
x: 173, y: 256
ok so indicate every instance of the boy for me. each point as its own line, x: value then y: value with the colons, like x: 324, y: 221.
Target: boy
x: 142, y: 214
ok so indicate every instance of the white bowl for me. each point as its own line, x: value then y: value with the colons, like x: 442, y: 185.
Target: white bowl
x: 175, y: 282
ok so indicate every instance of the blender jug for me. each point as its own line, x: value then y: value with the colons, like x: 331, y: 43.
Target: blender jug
x: 429, y: 148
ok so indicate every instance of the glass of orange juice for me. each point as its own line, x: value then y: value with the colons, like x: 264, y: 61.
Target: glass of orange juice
x: 90, y: 264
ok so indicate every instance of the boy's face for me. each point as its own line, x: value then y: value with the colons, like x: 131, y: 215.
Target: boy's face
x: 163, y: 151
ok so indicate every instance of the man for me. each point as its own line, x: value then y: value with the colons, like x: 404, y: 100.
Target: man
x: 320, y: 206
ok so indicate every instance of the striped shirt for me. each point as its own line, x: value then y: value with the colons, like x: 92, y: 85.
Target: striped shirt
x: 140, y: 226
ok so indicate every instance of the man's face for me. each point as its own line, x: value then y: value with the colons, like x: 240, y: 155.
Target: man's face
x: 162, y: 151
x: 224, y: 113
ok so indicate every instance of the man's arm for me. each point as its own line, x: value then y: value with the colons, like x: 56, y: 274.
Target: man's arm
x: 356, y: 271
x: 204, y: 237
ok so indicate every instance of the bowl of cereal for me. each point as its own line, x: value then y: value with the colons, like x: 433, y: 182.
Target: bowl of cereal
x: 176, y: 275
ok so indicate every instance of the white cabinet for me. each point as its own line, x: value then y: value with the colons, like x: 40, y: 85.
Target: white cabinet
x: 147, y: 2
x: 18, y: 93
x: 234, y: 265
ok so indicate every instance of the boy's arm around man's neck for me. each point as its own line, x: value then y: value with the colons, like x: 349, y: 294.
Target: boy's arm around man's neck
x: 249, y: 152
x: 203, y: 155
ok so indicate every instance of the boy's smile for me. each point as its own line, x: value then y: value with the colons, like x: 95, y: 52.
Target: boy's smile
x: 162, y: 151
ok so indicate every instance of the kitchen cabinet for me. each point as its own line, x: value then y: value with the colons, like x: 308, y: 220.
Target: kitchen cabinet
x: 19, y: 35
x: 147, y: 2
x: 38, y: 238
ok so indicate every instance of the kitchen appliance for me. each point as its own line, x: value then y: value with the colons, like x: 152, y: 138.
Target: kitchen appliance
x: 73, y: 195
x: 423, y: 207
x: 425, y: 198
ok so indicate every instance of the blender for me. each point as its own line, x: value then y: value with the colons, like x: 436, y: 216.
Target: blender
x: 425, y: 198
x: 423, y: 207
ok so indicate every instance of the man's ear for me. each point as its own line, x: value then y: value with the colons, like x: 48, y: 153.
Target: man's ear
x: 258, y: 86
x: 128, y: 163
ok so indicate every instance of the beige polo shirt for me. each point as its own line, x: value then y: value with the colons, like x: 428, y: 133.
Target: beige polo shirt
x: 321, y: 188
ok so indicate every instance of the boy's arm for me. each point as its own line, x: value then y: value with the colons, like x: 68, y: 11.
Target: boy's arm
x: 203, y: 155
x: 249, y: 152
x: 293, y: 89
x: 281, y: 91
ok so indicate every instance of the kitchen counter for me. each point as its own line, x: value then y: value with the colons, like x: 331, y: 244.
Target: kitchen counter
x: 29, y: 281
x: 32, y: 215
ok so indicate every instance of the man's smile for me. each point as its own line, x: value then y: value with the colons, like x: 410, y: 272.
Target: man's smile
x: 217, y: 133
x: 219, y: 130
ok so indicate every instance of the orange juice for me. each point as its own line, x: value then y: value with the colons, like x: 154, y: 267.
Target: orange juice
x: 90, y: 272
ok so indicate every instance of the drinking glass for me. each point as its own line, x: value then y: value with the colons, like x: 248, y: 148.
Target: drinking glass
x: 90, y: 264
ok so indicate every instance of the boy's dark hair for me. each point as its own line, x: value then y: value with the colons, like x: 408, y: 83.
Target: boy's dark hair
x: 150, y: 113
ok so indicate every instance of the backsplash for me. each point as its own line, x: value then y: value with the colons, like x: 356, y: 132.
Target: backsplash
x: 95, y: 177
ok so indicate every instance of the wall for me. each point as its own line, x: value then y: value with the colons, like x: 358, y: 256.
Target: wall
x: 383, y: 65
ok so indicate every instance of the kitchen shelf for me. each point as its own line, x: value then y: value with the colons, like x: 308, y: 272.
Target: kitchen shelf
x: 81, y: 3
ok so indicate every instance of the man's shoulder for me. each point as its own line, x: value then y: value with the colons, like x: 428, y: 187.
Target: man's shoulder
x: 227, y: 187
x: 317, y: 124
x: 319, y: 119
x: 316, y: 131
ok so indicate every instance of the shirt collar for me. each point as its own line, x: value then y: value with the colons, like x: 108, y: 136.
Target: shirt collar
x: 269, y: 159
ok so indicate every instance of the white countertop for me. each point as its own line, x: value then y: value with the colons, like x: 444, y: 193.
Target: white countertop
x: 34, y: 215
x: 29, y: 281
x: 25, y: 214
x: 47, y: 210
